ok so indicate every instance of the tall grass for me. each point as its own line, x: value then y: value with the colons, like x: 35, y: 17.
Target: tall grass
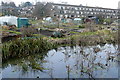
x: 25, y: 47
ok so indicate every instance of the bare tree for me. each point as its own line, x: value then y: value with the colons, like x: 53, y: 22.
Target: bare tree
x: 9, y: 9
x: 43, y: 9
x: 48, y: 9
x: 10, y: 4
x: 39, y: 10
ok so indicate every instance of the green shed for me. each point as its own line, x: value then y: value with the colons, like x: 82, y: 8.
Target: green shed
x: 22, y: 22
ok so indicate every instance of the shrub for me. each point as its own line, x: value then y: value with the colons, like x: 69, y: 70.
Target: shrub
x: 81, y: 26
x: 28, y: 31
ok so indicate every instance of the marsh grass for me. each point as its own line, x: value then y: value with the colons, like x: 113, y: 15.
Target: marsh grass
x: 25, y: 47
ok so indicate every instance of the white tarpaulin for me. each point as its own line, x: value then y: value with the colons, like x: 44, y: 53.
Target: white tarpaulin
x: 77, y: 19
x: 12, y: 20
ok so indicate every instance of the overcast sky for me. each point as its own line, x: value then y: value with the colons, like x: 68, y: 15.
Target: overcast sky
x: 94, y: 3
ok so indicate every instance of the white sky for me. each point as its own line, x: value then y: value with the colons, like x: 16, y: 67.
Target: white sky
x: 93, y: 3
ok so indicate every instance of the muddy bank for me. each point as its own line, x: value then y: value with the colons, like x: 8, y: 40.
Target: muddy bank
x: 46, y: 32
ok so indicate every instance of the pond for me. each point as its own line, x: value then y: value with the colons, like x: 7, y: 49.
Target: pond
x: 66, y: 62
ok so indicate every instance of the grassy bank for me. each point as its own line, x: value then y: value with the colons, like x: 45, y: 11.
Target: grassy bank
x: 25, y: 47
x: 87, y: 38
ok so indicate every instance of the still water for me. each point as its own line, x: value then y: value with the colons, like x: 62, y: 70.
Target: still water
x: 63, y: 62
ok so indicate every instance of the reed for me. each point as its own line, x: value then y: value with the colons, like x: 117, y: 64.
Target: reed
x: 25, y: 47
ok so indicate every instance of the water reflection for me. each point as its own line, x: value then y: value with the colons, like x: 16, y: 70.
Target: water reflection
x: 67, y: 62
x: 24, y: 66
